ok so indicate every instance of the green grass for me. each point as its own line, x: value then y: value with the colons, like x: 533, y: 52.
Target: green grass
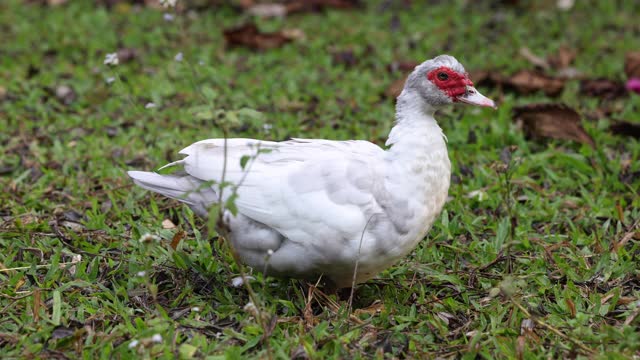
x: 541, y: 245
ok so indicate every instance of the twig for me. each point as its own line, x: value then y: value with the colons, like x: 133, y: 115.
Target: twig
x: 355, y: 268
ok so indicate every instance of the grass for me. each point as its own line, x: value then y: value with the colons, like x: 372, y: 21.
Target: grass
x: 544, y: 265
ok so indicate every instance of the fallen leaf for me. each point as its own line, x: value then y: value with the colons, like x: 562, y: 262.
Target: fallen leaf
x: 376, y: 308
x: 625, y: 300
x: 526, y: 82
x: 602, y: 88
x: 571, y: 306
x: 625, y: 128
x: 632, y: 64
x: 555, y: 121
x: 168, y: 224
x: 177, y: 238
x: 249, y: 36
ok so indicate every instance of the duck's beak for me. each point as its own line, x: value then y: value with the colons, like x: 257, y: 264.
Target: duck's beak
x: 473, y: 97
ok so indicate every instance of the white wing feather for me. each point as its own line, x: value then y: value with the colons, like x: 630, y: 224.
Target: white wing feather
x: 299, y: 185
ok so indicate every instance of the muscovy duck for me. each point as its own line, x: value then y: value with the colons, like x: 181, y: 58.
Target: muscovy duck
x: 310, y: 207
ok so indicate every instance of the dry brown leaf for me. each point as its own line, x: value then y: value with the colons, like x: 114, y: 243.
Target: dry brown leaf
x: 625, y: 300
x: 248, y: 35
x: 526, y: 81
x: 626, y: 129
x: 177, y: 237
x: 602, y: 88
x: 376, y: 308
x: 632, y: 64
x: 555, y: 121
x: 571, y: 306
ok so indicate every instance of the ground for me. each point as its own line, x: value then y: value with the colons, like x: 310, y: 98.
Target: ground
x: 534, y: 256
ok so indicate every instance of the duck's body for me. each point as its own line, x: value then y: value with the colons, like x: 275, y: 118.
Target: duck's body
x: 307, y: 208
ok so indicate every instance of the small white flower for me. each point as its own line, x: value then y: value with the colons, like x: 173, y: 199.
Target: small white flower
x: 150, y: 105
x: 156, y: 338
x: 133, y: 344
x: 141, y: 273
x: 111, y: 59
x: 168, y: 17
x: 168, y: 3
x: 147, y: 238
x: 201, y: 63
x: 267, y: 127
x: 110, y: 80
x: 195, y: 309
x: 178, y: 57
x: 269, y: 252
x: 239, y: 281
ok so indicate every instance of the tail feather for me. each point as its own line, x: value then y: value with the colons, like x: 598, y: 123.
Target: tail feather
x: 184, y: 188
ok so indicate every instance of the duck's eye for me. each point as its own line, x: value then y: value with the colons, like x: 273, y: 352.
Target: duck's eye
x: 443, y: 76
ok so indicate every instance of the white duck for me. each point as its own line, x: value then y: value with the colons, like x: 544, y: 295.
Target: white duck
x: 310, y: 207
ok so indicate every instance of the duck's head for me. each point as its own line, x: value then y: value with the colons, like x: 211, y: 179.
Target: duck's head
x: 442, y: 81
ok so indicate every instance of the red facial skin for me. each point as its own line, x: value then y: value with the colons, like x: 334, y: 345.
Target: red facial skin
x: 455, y: 85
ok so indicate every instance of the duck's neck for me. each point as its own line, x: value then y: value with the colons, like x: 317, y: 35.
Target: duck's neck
x: 418, y: 166
x: 416, y: 135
